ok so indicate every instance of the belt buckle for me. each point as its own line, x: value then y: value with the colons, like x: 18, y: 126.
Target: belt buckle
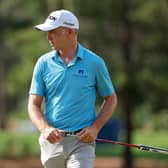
x: 63, y: 133
x: 73, y: 133
x: 70, y: 133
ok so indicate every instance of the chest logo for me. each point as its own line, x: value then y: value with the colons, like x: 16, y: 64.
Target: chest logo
x: 81, y: 73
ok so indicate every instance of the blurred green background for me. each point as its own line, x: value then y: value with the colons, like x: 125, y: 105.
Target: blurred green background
x: 131, y: 36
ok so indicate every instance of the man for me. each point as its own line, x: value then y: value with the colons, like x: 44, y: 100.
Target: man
x: 68, y: 78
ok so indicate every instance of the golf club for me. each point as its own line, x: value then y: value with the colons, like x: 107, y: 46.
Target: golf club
x: 138, y: 146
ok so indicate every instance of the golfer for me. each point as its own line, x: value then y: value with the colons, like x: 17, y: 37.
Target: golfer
x: 68, y: 78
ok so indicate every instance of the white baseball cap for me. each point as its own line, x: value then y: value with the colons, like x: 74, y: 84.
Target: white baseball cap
x: 59, y: 18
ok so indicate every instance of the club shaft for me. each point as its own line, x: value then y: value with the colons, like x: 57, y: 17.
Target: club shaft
x: 119, y: 143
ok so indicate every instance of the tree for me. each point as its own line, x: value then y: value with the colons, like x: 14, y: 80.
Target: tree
x: 13, y: 16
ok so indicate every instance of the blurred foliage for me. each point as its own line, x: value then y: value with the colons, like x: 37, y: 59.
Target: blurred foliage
x: 18, y: 145
x: 145, y: 120
x: 20, y: 40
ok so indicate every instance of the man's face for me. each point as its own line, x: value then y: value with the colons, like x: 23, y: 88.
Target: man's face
x: 57, y: 38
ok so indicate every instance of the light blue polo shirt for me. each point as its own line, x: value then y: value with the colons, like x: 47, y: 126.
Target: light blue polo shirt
x: 70, y: 90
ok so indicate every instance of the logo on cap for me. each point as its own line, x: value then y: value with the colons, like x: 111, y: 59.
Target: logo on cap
x: 52, y: 18
x: 69, y: 24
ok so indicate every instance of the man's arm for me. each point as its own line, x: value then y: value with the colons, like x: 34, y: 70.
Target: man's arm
x: 36, y: 116
x: 108, y: 106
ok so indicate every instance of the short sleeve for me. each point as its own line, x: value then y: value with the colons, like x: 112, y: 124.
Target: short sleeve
x: 37, y: 84
x: 103, y: 82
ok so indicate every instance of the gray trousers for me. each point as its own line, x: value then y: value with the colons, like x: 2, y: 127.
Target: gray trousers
x: 69, y: 152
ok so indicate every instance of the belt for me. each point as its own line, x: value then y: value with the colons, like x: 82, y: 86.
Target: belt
x: 73, y: 133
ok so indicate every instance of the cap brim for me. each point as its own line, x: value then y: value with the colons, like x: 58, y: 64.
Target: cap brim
x: 45, y: 27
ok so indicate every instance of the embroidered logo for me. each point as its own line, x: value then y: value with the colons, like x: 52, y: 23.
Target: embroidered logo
x: 52, y: 18
x: 81, y: 73
x: 69, y: 24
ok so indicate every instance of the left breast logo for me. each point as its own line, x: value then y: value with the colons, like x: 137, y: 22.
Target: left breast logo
x: 81, y: 73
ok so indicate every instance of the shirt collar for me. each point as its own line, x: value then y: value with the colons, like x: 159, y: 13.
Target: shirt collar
x: 79, y: 53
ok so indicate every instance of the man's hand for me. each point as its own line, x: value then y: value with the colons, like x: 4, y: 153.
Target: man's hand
x: 51, y: 134
x: 88, y: 134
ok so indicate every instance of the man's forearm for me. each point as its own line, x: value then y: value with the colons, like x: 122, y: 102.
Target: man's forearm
x: 49, y: 133
x: 37, y: 118
x: 107, y: 108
